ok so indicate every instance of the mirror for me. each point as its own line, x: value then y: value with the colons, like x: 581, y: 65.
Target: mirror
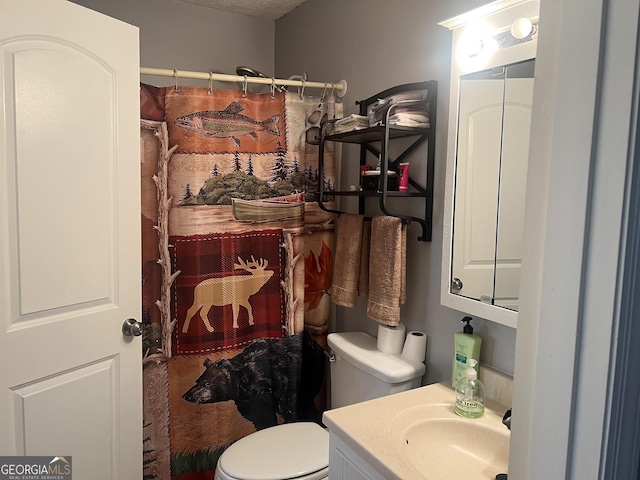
x: 494, y: 119
x: 492, y: 75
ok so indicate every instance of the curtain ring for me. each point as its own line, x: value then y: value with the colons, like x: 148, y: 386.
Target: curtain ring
x: 333, y: 86
x: 210, y: 92
x: 273, y: 88
x: 175, y: 80
x: 302, y: 90
x: 324, y: 92
x: 244, y: 87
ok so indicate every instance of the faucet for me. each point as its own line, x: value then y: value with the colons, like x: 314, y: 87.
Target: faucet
x: 506, y: 421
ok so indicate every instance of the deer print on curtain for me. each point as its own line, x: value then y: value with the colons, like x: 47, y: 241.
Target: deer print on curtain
x: 236, y: 270
x: 234, y: 291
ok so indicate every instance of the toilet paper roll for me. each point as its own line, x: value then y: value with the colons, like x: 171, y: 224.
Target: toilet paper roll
x: 391, y: 339
x: 415, y: 347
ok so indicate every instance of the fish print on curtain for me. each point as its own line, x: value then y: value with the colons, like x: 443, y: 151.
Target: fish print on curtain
x: 236, y: 270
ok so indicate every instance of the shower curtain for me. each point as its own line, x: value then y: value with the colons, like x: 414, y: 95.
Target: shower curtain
x: 236, y: 269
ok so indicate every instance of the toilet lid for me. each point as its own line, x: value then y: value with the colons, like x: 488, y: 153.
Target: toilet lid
x: 282, y: 452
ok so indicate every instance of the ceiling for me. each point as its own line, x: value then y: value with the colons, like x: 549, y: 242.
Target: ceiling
x: 268, y: 9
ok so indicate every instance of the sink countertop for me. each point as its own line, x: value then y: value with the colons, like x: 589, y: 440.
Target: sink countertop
x: 366, y: 426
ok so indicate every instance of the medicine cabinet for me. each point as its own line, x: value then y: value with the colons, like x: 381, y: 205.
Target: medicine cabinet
x: 492, y: 79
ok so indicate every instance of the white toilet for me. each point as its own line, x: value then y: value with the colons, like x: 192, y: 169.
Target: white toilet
x: 359, y: 372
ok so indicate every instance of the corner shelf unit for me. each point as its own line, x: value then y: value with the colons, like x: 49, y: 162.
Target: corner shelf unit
x: 375, y: 141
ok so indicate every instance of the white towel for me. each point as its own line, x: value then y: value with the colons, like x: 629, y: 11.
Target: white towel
x: 352, y: 122
x: 414, y: 117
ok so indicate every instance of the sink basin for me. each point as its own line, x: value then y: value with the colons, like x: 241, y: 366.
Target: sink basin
x: 442, y: 445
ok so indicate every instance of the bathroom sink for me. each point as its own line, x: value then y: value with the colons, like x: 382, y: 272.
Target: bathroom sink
x: 440, y: 444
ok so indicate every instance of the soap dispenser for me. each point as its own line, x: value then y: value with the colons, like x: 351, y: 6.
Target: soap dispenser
x: 466, y: 346
x: 470, y: 394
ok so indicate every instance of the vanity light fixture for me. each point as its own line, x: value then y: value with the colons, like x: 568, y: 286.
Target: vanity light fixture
x: 522, y: 28
x: 472, y: 48
x: 476, y: 46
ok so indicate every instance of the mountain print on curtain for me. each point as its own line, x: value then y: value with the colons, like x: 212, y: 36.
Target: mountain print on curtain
x: 236, y: 270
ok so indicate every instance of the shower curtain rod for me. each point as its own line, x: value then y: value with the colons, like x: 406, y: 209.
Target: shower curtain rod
x: 340, y: 87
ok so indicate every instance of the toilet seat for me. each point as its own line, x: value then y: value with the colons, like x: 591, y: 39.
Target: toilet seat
x: 290, y: 451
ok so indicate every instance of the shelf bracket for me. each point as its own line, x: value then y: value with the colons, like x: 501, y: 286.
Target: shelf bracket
x: 320, y: 199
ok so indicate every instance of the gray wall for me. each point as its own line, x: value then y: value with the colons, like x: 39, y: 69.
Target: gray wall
x: 374, y: 45
x: 179, y: 35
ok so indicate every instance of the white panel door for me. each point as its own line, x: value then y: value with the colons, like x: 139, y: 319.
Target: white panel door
x: 513, y: 185
x: 491, y: 173
x: 477, y: 185
x: 70, y: 381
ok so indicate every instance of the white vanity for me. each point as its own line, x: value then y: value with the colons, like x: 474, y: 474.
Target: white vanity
x: 416, y: 435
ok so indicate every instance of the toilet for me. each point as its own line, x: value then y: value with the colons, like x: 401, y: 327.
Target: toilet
x: 359, y: 372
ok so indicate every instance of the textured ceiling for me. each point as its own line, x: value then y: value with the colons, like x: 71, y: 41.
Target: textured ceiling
x: 269, y: 9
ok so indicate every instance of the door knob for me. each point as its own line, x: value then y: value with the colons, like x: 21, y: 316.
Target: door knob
x: 132, y: 328
x: 456, y: 285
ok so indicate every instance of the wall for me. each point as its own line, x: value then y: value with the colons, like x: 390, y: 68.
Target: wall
x: 179, y: 35
x: 380, y: 44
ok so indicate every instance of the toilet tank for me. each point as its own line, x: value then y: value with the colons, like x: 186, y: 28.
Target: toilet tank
x: 359, y: 371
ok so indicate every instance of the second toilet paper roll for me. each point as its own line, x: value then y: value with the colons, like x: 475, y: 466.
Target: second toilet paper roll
x: 415, y: 347
x: 391, y: 339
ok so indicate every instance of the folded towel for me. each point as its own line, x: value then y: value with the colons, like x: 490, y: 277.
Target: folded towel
x: 415, y: 117
x: 409, y: 123
x: 378, y: 111
x: 352, y: 122
x: 346, y: 272
x: 386, y: 270
x: 382, y: 103
x: 363, y: 283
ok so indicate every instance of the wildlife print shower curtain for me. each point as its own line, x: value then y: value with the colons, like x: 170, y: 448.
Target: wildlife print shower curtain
x: 237, y: 261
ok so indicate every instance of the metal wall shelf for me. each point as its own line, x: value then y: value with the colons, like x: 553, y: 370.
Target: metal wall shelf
x: 375, y: 141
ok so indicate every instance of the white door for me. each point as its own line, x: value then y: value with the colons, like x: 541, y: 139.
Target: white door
x: 70, y: 381
x: 518, y: 100
x: 491, y: 177
x: 477, y: 185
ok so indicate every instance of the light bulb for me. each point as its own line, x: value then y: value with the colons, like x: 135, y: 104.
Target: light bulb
x: 522, y: 28
x: 472, y: 48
